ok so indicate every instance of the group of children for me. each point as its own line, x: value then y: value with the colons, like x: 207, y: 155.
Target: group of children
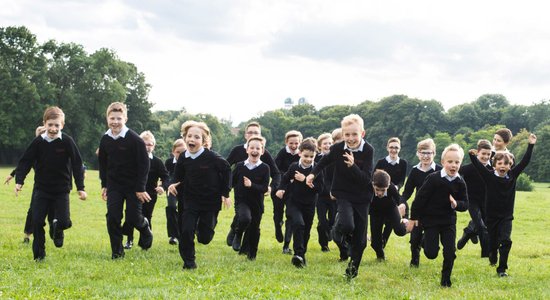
x: 333, y: 176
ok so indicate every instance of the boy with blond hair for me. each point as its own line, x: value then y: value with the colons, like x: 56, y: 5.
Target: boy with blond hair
x: 123, y: 169
x: 55, y: 159
x: 351, y: 186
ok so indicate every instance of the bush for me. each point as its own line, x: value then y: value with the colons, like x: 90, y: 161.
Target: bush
x: 524, y: 183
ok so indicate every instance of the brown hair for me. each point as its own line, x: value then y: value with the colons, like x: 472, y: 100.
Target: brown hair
x: 427, y: 144
x: 260, y: 139
x: 293, y: 133
x: 253, y: 123
x: 483, y: 144
x: 54, y: 112
x: 308, y: 144
x: 117, y: 107
x: 380, y: 178
x: 393, y: 140
x: 505, y: 134
x: 508, y: 159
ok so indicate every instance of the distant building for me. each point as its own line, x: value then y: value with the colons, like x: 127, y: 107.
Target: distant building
x: 289, y: 103
x: 302, y: 101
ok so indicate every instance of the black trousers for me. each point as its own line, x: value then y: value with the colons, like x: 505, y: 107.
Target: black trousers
x: 134, y: 216
x: 147, y: 209
x: 326, y: 214
x: 500, y: 231
x: 351, y: 228
x: 279, y: 212
x: 172, y: 226
x: 199, y: 222
x: 41, y: 204
x: 390, y: 219
x: 28, y: 229
x: 417, y: 234
x: 249, y: 216
x: 477, y: 226
x: 447, y: 235
x: 301, y: 215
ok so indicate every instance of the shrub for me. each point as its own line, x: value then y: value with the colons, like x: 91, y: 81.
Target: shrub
x: 524, y: 183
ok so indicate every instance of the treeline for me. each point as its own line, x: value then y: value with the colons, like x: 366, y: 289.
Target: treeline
x: 34, y: 76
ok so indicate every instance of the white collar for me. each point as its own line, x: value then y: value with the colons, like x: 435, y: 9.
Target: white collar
x: 432, y: 166
x: 289, y: 151
x: 49, y: 139
x: 302, y: 166
x: 505, y: 175
x: 245, y: 145
x: 392, y: 162
x: 444, y: 174
x: 174, y: 160
x: 122, y: 133
x: 252, y: 166
x: 385, y: 195
x: 194, y: 155
x: 150, y: 155
x: 359, y: 149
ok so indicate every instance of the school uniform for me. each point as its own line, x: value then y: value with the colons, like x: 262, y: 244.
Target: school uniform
x: 432, y: 209
x: 157, y: 171
x: 283, y: 160
x: 501, y: 195
x: 172, y: 202
x: 384, y: 211
x: 352, y: 188
x: 397, y: 169
x: 326, y: 207
x: 55, y: 162
x: 251, y: 204
x: 414, y: 182
x: 476, y: 208
x: 123, y: 169
x: 205, y: 177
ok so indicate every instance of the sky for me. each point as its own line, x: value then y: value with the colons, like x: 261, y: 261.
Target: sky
x: 236, y: 59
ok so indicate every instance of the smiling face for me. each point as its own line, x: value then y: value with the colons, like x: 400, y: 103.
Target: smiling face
x: 194, y: 139
x: 54, y: 126
x: 498, y: 143
x: 451, y: 163
x: 307, y: 157
x: 293, y: 143
x: 393, y: 149
x: 353, y: 134
x: 254, y: 150
x: 426, y: 156
x: 116, y: 121
x: 325, y: 145
x: 483, y: 155
x: 502, y: 167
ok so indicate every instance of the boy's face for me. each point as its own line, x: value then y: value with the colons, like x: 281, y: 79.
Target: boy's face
x: 193, y: 139
x: 149, y: 145
x: 483, y: 155
x: 53, y: 127
x: 393, y: 149
x: 307, y: 157
x: 116, y: 120
x: 179, y: 150
x: 379, y: 191
x: 502, y: 167
x: 325, y: 145
x: 353, y: 134
x: 499, y: 143
x: 426, y: 156
x: 252, y: 131
x: 451, y: 163
x: 292, y: 143
x: 254, y: 150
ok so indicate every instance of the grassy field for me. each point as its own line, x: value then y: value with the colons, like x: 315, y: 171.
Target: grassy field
x: 83, y: 268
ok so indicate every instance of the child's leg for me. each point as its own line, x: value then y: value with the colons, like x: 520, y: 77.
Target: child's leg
x: 415, y: 241
x: 39, y: 208
x: 295, y: 212
x: 431, y: 241
x: 115, y: 203
x: 278, y: 211
x: 188, y: 224
x: 134, y: 216
x: 393, y: 218
x: 343, y: 228
x: 322, y: 226
x: 172, y: 217
x: 206, y: 225
x: 308, y: 215
x: 448, y: 238
x: 332, y: 209
x: 479, y: 227
x: 128, y: 230
x: 359, y: 235
x: 386, y: 232
x: 288, y: 226
x: 493, y: 229
x: 253, y: 233
x: 244, y: 216
x: 376, y: 223
x: 234, y: 224
x: 62, y: 219
x: 148, y: 208
x: 505, y: 242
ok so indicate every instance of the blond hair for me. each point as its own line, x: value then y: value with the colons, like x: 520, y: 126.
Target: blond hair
x: 353, y: 119
x: 206, y: 137
x: 117, y: 107
x: 321, y: 138
x: 177, y: 143
x: 394, y: 140
x: 260, y: 139
x: 337, y: 135
x: 453, y: 147
x: 294, y: 133
x: 148, y: 135
x: 427, y: 144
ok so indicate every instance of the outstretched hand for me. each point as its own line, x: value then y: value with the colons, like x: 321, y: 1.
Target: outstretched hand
x: 532, y: 139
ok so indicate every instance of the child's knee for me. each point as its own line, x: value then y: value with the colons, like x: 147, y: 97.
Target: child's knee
x: 205, y: 236
x: 431, y: 253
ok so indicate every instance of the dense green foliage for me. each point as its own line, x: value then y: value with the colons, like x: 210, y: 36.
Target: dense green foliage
x: 33, y: 76
x: 83, y: 268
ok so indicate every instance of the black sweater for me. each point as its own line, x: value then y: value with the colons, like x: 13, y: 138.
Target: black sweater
x: 475, y: 183
x: 253, y: 195
x: 432, y: 205
x: 123, y: 163
x: 382, y: 206
x: 204, y: 180
x: 350, y: 183
x: 284, y: 159
x: 238, y: 154
x: 54, y: 164
x: 157, y: 171
x: 501, y: 192
x: 415, y: 180
x: 299, y: 191
x: 328, y: 173
x: 397, y: 172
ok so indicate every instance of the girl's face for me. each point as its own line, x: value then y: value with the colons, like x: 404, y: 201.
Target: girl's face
x: 498, y: 143
x: 194, y: 139
x: 393, y: 149
x: 178, y: 150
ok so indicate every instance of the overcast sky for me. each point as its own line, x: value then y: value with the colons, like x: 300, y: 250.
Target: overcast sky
x: 236, y: 59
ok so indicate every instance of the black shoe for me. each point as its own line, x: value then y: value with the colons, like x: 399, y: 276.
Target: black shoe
x: 493, y: 258
x: 474, y: 239
x: 325, y: 249
x: 173, y: 241
x: 351, y: 270
x: 415, y: 262
x: 237, y: 242
x: 298, y: 261
x: 26, y: 240
x: 279, y: 232
x: 145, y: 236
x: 502, y: 274
x: 230, y: 237
x: 129, y: 244
x: 189, y: 265
x: 462, y: 241
x: 380, y: 258
x: 287, y: 250
x: 446, y: 281
x: 343, y: 258
x: 40, y: 258
x: 58, y: 235
x: 117, y: 255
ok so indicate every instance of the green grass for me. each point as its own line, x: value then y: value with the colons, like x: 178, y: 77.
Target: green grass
x: 83, y: 268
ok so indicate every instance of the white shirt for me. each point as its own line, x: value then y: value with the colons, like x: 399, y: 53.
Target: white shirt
x: 252, y: 166
x: 392, y: 162
x: 289, y: 151
x: 432, y: 166
x: 122, y: 133
x: 48, y: 139
x: 194, y: 155
x: 302, y: 165
x: 505, y: 175
x: 444, y: 174
x: 150, y: 155
x: 359, y: 149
